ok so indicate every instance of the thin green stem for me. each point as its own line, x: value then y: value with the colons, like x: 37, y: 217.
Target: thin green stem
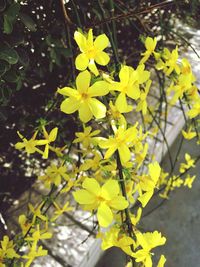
x: 127, y: 212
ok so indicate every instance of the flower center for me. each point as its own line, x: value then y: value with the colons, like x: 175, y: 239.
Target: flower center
x: 125, y: 89
x: 119, y: 139
x: 100, y: 198
x: 84, y: 96
x: 91, y: 52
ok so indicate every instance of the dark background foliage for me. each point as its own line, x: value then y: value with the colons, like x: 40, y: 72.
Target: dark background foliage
x: 37, y: 52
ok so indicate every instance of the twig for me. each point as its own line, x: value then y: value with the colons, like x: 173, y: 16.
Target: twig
x: 66, y: 17
x: 122, y: 184
x: 132, y: 13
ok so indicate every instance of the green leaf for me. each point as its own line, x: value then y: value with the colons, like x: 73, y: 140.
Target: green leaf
x: 7, y: 25
x: 11, y: 76
x: 8, y: 54
x: 28, y: 22
x: 19, y: 84
x: 10, y: 17
x: 4, y: 66
x: 5, y: 94
x: 13, y: 11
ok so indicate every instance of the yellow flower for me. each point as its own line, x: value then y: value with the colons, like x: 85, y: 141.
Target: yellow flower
x: 37, y: 235
x: 148, y: 183
x: 141, y: 154
x: 189, y: 163
x: 30, y: 145
x: 104, y: 199
x: 135, y: 218
x: 176, y: 182
x: 91, y: 51
x: 121, y: 141
x: 195, y: 109
x: 150, y: 45
x: 114, y: 237
x: 86, y: 137
x: 147, y: 242
x: 192, y: 94
x: 185, y: 66
x: 162, y: 179
x: 116, y: 115
x: 170, y: 62
x: 51, y: 137
x: 161, y: 262
x: 130, y: 80
x: 34, y: 253
x: 58, y: 150
x: 92, y: 164
x: 24, y: 223
x: 142, y: 104
x: 83, y: 98
x: 54, y: 175
x: 7, y: 250
x: 59, y: 211
x: 184, y: 84
x: 189, y: 181
x: 37, y: 212
x: 189, y: 135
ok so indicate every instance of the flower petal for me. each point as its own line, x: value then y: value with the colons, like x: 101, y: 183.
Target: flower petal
x: 69, y: 105
x: 104, y: 215
x: 150, y: 43
x: 80, y: 40
x: 91, y: 185
x: 102, y: 58
x: 85, y: 113
x: 144, y: 198
x: 83, y: 81
x: 97, y: 108
x: 53, y: 134
x: 124, y: 74
x: 162, y: 261
x: 81, y: 62
x: 83, y: 197
x: 115, y: 86
x: 90, y: 38
x: 124, y: 153
x: 19, y: 145
x: 110, y: 152
x: 101, y: 42
x: 110, y: 189
x: 119, y: 203
x: 92, y: 67
x: 134, y: 91
x: 46, y: 152
x: 131, y: 134
x: 121, y: 103
x: 154, y: 171
x: 68, y: 91
x: 143, y: 75
x: 99, y: 88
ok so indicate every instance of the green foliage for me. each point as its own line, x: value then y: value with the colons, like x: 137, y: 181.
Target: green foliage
x: 10, y: 16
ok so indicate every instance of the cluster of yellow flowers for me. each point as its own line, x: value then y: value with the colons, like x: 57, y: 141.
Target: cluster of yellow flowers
x: 109, y: 175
